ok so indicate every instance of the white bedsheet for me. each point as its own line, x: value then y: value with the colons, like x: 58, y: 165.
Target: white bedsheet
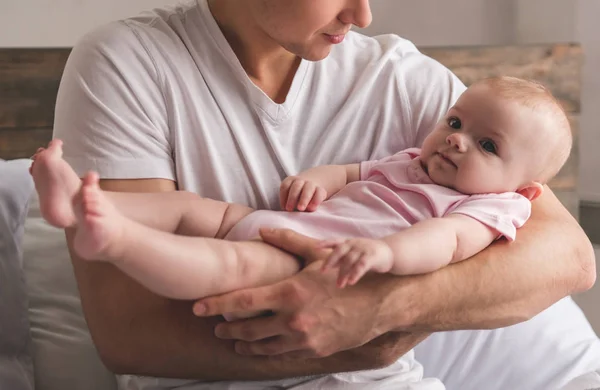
x: 544, y: 353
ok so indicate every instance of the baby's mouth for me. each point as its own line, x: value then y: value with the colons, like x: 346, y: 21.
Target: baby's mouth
x: 446, y: 159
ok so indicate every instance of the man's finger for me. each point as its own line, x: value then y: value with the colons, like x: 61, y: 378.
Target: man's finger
x: 271, y: 347
x: 302, y: 354
x: 289, y: 241
x: 252, y: 299
x: 252, y: 329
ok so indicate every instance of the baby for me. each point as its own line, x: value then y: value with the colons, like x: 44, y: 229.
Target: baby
x: 413, y: 212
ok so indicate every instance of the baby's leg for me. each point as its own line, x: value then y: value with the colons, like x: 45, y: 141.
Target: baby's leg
x: 56, y: 183
x: 179, y: 212
x: 171, y: 265
x: 176, y: 212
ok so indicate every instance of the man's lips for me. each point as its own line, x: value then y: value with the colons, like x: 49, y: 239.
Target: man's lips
x: 335, y: 38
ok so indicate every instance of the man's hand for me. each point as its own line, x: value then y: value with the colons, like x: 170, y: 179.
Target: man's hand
x: 296, y: 193
x: 310, y: 318
x: 354, y: 257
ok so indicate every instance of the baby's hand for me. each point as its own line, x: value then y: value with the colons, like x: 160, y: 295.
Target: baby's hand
x: 356, y: 256
x: 296, y: 193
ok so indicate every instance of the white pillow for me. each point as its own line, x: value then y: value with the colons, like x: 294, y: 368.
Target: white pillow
x: 63, y: 353
x: 16, y: 368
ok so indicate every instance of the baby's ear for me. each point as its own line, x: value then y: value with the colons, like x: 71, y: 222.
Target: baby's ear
x: 531, y: 191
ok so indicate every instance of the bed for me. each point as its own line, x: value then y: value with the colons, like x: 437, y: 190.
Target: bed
x: 45, y: 344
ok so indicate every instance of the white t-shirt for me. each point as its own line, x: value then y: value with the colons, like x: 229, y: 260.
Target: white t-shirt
x: 163, y: 95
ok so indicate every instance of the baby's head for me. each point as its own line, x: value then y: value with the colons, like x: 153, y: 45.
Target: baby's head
x: 503, y: 135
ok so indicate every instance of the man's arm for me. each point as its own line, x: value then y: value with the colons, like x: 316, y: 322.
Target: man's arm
x: 505, y: 284
x: 500, y: 286
x: 137, y: 332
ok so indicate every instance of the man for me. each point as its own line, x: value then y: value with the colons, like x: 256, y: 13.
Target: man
x: 227, y: 97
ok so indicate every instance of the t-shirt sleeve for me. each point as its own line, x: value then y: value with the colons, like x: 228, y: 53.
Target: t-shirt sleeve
x: 503, y: 212
x: 431, y: 90
x: 110, y: 110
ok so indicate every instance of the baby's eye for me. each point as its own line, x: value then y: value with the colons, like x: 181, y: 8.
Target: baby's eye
x: 454, y: 122
x: 488, y: 146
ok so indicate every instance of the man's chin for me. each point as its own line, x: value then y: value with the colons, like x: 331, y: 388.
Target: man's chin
x: 316, y: 54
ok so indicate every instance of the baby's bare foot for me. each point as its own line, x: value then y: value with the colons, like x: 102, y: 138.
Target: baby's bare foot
x: 56, y: 184
x: 99, y: 223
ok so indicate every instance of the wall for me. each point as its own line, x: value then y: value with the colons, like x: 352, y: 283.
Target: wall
x: 587, y: 31
x: 52, y: 23
x: 443, y: 22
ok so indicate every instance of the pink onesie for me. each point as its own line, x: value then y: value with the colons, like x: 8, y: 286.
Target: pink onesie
x: 393, y: 193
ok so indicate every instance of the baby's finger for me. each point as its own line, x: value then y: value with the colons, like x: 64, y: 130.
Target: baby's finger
x: 334, y: 258
x: 359, y: 270
x: 294, y: 194
x: 330, y: 243
x: 284, y: 191
x: 319, y: 196
x: 342, y: 279
x: 331, y: 262
x: 346, y: 266
x: 307, y: 193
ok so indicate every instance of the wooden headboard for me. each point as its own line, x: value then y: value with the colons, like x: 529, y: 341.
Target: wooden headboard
x: 29, y: 80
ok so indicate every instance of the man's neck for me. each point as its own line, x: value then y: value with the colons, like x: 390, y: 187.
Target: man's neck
x: 268, y: 64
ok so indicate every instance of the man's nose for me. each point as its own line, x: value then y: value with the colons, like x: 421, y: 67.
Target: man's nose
x: 357, y: 13
x: 457, y: 141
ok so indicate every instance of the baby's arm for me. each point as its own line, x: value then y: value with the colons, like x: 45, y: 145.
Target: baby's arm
x: 306, y: 191
x: 434, y: 243
x: 425, y: 247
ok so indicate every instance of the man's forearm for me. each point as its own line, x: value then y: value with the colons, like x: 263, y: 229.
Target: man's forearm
x: 502, y: 285
x: 187, y: 348
x: 137, y: 332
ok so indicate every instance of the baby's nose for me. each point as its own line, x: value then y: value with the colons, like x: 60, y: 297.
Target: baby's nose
x: 458, y: 141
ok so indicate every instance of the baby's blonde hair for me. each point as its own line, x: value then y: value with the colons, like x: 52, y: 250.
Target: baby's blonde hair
x: 538, y: 98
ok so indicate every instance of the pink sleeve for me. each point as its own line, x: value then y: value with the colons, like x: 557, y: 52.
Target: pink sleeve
x: 366, y: 167
x: 503, y: 212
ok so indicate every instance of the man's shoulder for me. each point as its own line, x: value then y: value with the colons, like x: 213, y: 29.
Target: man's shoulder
x: 136, y: 34
x: 380, y: 45
x: 390, y: 57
